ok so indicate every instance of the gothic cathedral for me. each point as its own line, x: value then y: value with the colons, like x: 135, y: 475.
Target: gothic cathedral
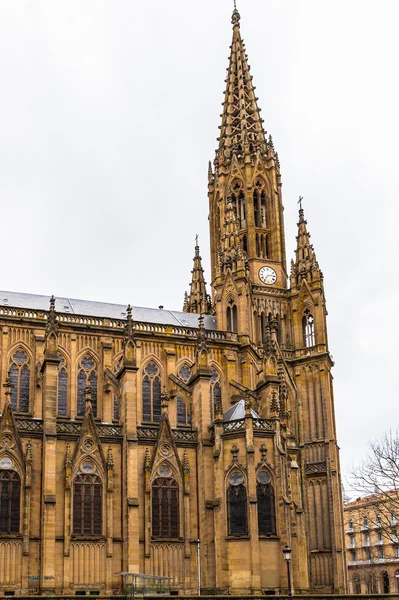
x: 194, y: 444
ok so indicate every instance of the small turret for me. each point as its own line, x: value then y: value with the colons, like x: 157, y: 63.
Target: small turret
x: 305, y: 265
x: 198, y: 301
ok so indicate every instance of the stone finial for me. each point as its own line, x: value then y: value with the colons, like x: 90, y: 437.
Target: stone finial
x: 147, y: 460
x: 185, y: 463
x: 7, y: 385
x: 52, y: 329
x: 68, y: 456
x: 28, y: 453
x: 197, y: 301
x: 234, y: 453
x: 165, y: 397
x: 274, y: 403
x: 263, y: 452
x: 202, y: 350
x: 248, y: 403
x: 88, y: 394
x: 129, y: 338
x: 110, y: 458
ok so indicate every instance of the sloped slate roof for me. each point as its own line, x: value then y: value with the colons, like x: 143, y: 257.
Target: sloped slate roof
x: 102, y: 309
x: 237, y: 411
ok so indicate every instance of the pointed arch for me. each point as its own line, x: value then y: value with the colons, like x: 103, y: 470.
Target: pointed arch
x: 215, y: 390
x: 266, y: 503
x: 20, y: 361
x: 237, y: 502
x: 151, y: 390
x: 87, y: 375
x: 308, y: 329
x: 62, y: 384
x: 232, y: 316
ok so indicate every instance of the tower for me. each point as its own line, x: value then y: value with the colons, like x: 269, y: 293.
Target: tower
x: 284, y: 318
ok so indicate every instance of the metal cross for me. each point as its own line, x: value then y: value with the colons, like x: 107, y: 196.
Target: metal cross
x: 235, y: 4
x: 196, y: 240
x: 300, y: 202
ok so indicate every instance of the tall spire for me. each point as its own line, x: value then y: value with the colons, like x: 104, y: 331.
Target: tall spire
x: 198, y: 301
x: 241, y: 120
x: 305, y: 265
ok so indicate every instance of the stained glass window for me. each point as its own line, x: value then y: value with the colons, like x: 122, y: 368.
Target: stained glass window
x: 87, y: 505
x: 237, y: 510
x: 165, y: 508
x: 62, y: 389
x: 20, y: 381
x: 266, y: 507
x: 151, y: 393
x: 183, y: 413
x: 10, y: 490
x: 87, y: 375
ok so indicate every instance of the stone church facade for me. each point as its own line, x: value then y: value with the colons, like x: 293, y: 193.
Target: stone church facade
x: 192, y: 444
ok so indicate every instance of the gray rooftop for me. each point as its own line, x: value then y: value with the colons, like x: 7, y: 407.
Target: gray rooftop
x: 90, y: 308
x: 238, y: 412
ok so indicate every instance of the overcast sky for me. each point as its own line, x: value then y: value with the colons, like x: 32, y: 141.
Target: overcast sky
x: 110, y: 113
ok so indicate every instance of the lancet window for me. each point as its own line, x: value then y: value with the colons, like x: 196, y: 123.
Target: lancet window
x: 259, y: 197
x: 232, y: 318
x: 266, y: 504
x: 238, y: 202
x: 116, y: 409
x: 151, y: 392
x: 20, y: 381
x: 165, y: 505
x: 237, y: 512
x: 87, y: 376
x: 62, y: 387
x: 215, y: 393
x: 10, y: 493
x: 87, y: 505
x: 308, y: 329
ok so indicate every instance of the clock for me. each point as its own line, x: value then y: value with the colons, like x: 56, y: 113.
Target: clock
x: 267, y: 275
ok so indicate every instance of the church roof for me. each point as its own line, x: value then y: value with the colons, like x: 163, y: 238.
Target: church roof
x: 91, y: 308
x: 238, y: 412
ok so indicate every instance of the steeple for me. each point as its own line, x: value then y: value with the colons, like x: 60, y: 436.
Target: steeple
x: 305, y: 265
x: 241, y: 120
x: 198, y: 300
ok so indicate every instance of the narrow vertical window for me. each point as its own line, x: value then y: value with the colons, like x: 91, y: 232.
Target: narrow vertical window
x: 232, y: 317
x: 20, y: 381
x: 237, y: 505
x: 87, y: 375
x: 183, y: 413
x: 165, y: 507
x: 266, y: 506
x: 308, y: 329
x: 215, y: 393
x: 151, y: 393
x: 10, y: 493
x: 116, y: 408
x: 87, y: 505
x: 62, y: 388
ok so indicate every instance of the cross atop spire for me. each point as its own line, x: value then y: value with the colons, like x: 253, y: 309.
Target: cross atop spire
x: 305, y: 265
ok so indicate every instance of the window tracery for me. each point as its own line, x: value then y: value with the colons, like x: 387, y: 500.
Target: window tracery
x: 165, y: 505
x: 259, y: 199
x: 232, y: 317
x: 151, y: 393
x: 87, y: 505
x: 237, y: 516
x: 266, y: 504
x: 19, y: 374
x: 238, y: 202
x: 87, y: 376
x: 215, y: 392
x: 308, y: 329
x: 10, y: 493
x: 62, y: 387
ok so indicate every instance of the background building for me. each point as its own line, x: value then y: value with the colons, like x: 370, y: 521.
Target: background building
x: 127, y: 435
x: 372, y: 545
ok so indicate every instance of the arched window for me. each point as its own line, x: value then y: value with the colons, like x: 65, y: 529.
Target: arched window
x: 237, y: 505
x: 10, y: 491
x: 308, y: 329
x: 385, y: 582
x: 165, y: 507
x: 215, y: 392
x: 357, y: 588
x: 87, y: 505
x: 183, y: 413
x: 266, y: 506
x: 116, y: 409
x: 238, y: 202
x: 87, y: 375
x: 20, y: 381
x: 62, y: 387
x: 259, y: 197
x: 151, y: 389
x: 232, y: 320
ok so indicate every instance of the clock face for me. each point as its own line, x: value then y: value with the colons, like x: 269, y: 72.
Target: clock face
x: 268, y: 275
